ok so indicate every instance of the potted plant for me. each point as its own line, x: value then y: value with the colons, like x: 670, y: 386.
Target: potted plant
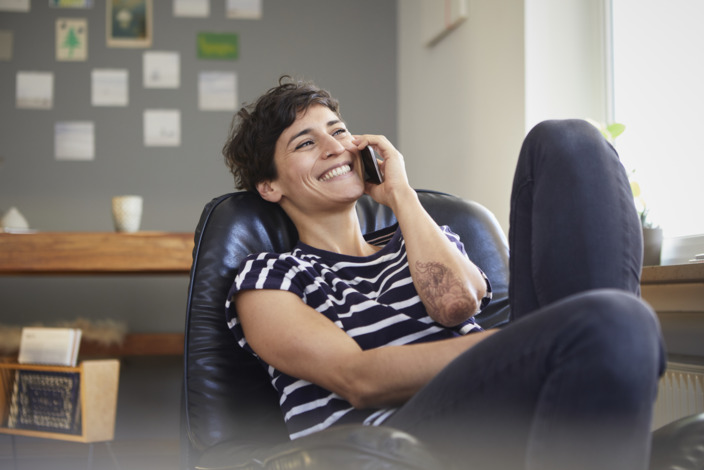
x: 652, y: 233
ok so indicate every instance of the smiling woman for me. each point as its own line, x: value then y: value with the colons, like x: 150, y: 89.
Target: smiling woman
x: 381, y: 330
x: 249, y: 151
x: 316, y: 148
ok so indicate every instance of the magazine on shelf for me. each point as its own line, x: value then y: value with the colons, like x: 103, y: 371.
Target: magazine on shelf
x: 56, y: 346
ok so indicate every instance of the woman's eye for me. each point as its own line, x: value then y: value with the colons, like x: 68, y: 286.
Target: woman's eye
x: 304, y: 144
x: 339, y: 132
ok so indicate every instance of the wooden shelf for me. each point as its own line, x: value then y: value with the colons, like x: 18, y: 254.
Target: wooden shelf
x: 88, y: 253
x: 98, y: 399
x: 133, y: 344
x: 53, y: 253
x: 137, y: 344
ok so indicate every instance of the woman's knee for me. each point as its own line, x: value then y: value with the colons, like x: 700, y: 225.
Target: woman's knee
x: 622, y: 330
x: 565, y: 133
x: 566, y: 142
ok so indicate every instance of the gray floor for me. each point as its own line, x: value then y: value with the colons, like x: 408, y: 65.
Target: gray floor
x: 146, y: 428
x: 42, y: 454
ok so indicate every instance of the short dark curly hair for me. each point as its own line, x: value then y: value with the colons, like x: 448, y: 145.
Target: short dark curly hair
x: 255, y: 129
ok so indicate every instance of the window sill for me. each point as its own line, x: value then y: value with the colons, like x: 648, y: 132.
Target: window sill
x: 679, y: 250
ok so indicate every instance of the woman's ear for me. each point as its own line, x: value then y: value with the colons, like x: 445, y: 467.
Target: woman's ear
x: 268, y: 192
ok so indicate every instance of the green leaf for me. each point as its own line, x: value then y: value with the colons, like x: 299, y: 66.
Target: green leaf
x: 615, y: 129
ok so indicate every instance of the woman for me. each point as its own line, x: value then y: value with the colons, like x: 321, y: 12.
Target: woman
x: 353, y: 331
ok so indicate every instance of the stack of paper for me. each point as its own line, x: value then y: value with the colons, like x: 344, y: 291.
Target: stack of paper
x: 57, y: 346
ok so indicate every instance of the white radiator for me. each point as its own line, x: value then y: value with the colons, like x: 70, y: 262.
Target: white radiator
x: 680, y: 393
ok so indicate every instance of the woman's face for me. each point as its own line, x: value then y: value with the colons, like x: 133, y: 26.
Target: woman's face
x: 316, y: 162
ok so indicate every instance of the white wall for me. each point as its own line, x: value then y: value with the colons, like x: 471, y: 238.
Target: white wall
x: 566, y: 64
x: 461, y: 102
x: 306, y: 38
x: 466, y: 103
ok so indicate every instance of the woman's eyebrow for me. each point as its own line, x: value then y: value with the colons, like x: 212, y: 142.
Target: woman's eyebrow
x: 303, y: 132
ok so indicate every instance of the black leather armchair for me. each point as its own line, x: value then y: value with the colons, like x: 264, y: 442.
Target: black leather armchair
x: 230, y: 413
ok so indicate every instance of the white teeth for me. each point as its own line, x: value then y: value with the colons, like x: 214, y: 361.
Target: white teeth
x: 340, y: 170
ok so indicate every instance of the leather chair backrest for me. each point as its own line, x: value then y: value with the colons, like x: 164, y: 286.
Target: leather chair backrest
x: 227, y: 395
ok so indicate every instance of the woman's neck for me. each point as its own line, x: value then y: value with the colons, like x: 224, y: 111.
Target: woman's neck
x: 337, y: 232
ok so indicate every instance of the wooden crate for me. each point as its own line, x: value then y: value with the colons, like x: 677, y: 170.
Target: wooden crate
x: 98, y: 399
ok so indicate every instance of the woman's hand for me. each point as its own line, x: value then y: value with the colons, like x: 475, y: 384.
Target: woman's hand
x: 395, y: 187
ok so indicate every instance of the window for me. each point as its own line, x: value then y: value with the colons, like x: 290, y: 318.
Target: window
x: 658, y: 93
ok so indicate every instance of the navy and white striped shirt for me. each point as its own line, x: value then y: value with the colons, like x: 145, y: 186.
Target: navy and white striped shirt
x: 371, y: 298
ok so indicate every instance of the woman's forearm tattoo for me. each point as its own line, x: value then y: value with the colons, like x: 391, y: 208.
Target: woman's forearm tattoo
x: 442, y: 290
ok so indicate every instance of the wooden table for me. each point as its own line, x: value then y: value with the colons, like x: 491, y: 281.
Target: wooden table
x: 98, y: 253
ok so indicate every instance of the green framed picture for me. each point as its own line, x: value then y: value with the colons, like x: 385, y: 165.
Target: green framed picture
x: 223, y: 46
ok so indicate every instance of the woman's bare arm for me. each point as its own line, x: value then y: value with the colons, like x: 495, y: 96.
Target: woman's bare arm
x: 301, y: 342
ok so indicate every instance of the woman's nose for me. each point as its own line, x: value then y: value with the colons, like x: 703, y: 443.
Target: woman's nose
x: 332, y: 147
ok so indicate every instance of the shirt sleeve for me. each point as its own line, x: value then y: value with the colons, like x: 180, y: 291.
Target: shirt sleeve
x: 262, y: 271
x: 454, y: 238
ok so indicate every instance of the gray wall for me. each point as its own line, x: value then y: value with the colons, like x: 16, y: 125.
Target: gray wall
x: 347, y: 47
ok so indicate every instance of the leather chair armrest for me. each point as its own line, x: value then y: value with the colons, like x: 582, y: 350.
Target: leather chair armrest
x: 679, y: 445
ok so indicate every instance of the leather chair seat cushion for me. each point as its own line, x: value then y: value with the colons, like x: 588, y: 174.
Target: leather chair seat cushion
x: 348, y: 447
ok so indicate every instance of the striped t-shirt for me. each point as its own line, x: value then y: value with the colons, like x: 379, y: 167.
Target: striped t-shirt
x: 371, y: 298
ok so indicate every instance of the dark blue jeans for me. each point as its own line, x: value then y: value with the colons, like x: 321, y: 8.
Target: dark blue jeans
x: 570, y: 382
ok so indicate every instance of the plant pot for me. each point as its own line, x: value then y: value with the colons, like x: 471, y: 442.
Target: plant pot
x: 652, y: 245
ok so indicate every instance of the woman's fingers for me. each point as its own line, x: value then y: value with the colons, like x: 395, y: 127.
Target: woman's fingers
x: 379, y: 143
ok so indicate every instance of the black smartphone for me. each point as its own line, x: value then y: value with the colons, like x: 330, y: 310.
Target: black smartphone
x: 371, y: 166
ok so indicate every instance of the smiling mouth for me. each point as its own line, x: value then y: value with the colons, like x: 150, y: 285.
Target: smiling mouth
x: 340, y: 170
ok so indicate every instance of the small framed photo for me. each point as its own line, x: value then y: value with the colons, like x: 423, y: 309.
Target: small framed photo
x: 129, y: 23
